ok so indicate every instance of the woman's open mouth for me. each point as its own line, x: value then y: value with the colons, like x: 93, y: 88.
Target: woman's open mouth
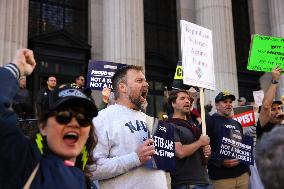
x: 71, y: 138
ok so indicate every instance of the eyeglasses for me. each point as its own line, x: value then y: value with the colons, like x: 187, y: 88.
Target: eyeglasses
x: 65, y: 116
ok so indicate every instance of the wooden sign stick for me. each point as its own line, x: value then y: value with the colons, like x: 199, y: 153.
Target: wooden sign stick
x: 201, y: 92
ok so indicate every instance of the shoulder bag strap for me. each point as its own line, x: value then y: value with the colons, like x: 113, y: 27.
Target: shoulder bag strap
x: 31, y: 178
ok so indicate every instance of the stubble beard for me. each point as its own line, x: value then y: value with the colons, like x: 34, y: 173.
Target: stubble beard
x: 136, y: 101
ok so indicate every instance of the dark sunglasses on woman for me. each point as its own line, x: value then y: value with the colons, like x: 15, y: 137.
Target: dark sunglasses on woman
x: 65, y: 116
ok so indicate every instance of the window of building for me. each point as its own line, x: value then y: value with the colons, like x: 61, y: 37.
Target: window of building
x: 47, y: 16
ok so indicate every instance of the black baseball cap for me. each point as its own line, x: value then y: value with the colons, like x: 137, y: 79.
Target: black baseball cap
x: 279, y: 102
x: 60, y: 96
x: 223, y: 96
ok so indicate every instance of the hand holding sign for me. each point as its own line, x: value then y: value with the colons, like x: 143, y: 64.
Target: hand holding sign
x: 276, y: 73
x: 204, y: 140
x: 206, y: 150
x: 145, y: 151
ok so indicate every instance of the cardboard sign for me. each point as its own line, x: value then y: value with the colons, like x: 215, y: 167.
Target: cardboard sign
x: 197, y: 55
x: 244, y: 115
x: 258, y: 97
x: 235, y: 146
x: 100, y: 74
x: 164, y: 157
x: 266, y: 53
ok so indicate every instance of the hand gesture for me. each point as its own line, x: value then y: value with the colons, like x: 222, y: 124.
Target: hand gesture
x: 230, y: 162
x: 276, y: 73
x: 24, y: 60
x: 145, y: 151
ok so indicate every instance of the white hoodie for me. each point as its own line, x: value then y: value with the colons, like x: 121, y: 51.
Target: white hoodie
x: 120, y: 131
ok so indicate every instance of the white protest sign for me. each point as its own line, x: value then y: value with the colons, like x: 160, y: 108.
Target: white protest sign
x: 258, y: 97
x: 197, y: 55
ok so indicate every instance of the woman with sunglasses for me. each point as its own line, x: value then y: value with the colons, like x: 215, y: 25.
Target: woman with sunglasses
x: 64, y: 145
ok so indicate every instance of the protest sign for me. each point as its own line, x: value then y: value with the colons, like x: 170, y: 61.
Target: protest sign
x: 258, y: 97
x: 244, y: 115
x: 197, y: 55
x: 100, y: 74
x: 235, y: 146
x: 164, y: 157
x: 178, y: 74
x: 266, y: 53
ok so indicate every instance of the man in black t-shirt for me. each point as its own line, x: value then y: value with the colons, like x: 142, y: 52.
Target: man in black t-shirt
x: 190, y: 147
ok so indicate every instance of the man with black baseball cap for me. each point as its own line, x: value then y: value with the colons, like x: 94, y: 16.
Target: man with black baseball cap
x: 271, y: 113
x: 225, y: 173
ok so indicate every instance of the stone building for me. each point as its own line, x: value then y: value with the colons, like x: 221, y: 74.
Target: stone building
x: 65, y: 34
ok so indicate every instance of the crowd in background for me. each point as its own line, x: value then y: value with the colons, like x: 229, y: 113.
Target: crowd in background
x: 80, y: 146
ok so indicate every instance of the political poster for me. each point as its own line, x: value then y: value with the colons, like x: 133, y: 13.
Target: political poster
x: 266, y: 53
x: 197, y: 56
x: 234, y: 145
x: 244, y: 115
x: 164, y: 157
x: 100, y: 74
x: 258, y: 97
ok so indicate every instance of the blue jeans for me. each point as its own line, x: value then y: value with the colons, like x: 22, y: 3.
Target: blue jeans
x: 194, y: 187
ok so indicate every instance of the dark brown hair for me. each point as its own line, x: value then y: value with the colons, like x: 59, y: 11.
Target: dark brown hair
x: 119, y: 77
x: 90, y: 144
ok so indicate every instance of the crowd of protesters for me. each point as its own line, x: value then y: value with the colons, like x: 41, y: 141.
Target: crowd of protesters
x: 78, y: 146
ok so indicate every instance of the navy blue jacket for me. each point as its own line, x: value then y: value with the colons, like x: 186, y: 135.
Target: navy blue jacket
x: 19, y: 156
x: 216, y: 170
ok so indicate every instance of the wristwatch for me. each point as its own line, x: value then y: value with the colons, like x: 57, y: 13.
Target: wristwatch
x: 274, y: 81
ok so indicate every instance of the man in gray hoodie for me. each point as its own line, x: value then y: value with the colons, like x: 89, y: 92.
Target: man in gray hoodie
x: 124, y: 146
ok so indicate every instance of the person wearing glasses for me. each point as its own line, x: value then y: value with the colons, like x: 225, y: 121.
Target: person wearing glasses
x: 124, y: 142
x: 65, y: 140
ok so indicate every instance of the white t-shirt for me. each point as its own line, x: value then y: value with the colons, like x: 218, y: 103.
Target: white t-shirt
x: 120, y: 131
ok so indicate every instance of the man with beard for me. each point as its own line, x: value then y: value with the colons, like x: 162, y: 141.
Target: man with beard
x: 271, y: 113
x: 190, y: 147
x: 124, y: 145
x: 225, y: 173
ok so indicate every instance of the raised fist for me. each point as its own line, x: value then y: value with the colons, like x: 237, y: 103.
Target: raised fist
x: 24, y: 60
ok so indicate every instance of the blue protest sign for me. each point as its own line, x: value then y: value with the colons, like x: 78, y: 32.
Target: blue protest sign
x: 164, y: 157
x: 100, y: 74
x: 234, y: 145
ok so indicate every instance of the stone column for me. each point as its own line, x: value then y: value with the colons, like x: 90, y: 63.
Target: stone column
x: 96, y: 28
x: 276, y: 15
x: 117, y: 32
x: 216, y: 15
x: 14, y: 28
x: 123, y: 32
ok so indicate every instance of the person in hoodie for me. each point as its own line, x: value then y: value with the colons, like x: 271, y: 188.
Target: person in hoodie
x: 124, y: 144
x: 65, y: 137
x: 225, y: 173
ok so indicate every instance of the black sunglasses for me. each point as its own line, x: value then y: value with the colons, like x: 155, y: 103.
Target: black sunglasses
x: 65, y: 116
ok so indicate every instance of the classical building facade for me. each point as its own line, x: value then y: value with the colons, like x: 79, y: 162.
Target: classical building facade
x: 65, y: 34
